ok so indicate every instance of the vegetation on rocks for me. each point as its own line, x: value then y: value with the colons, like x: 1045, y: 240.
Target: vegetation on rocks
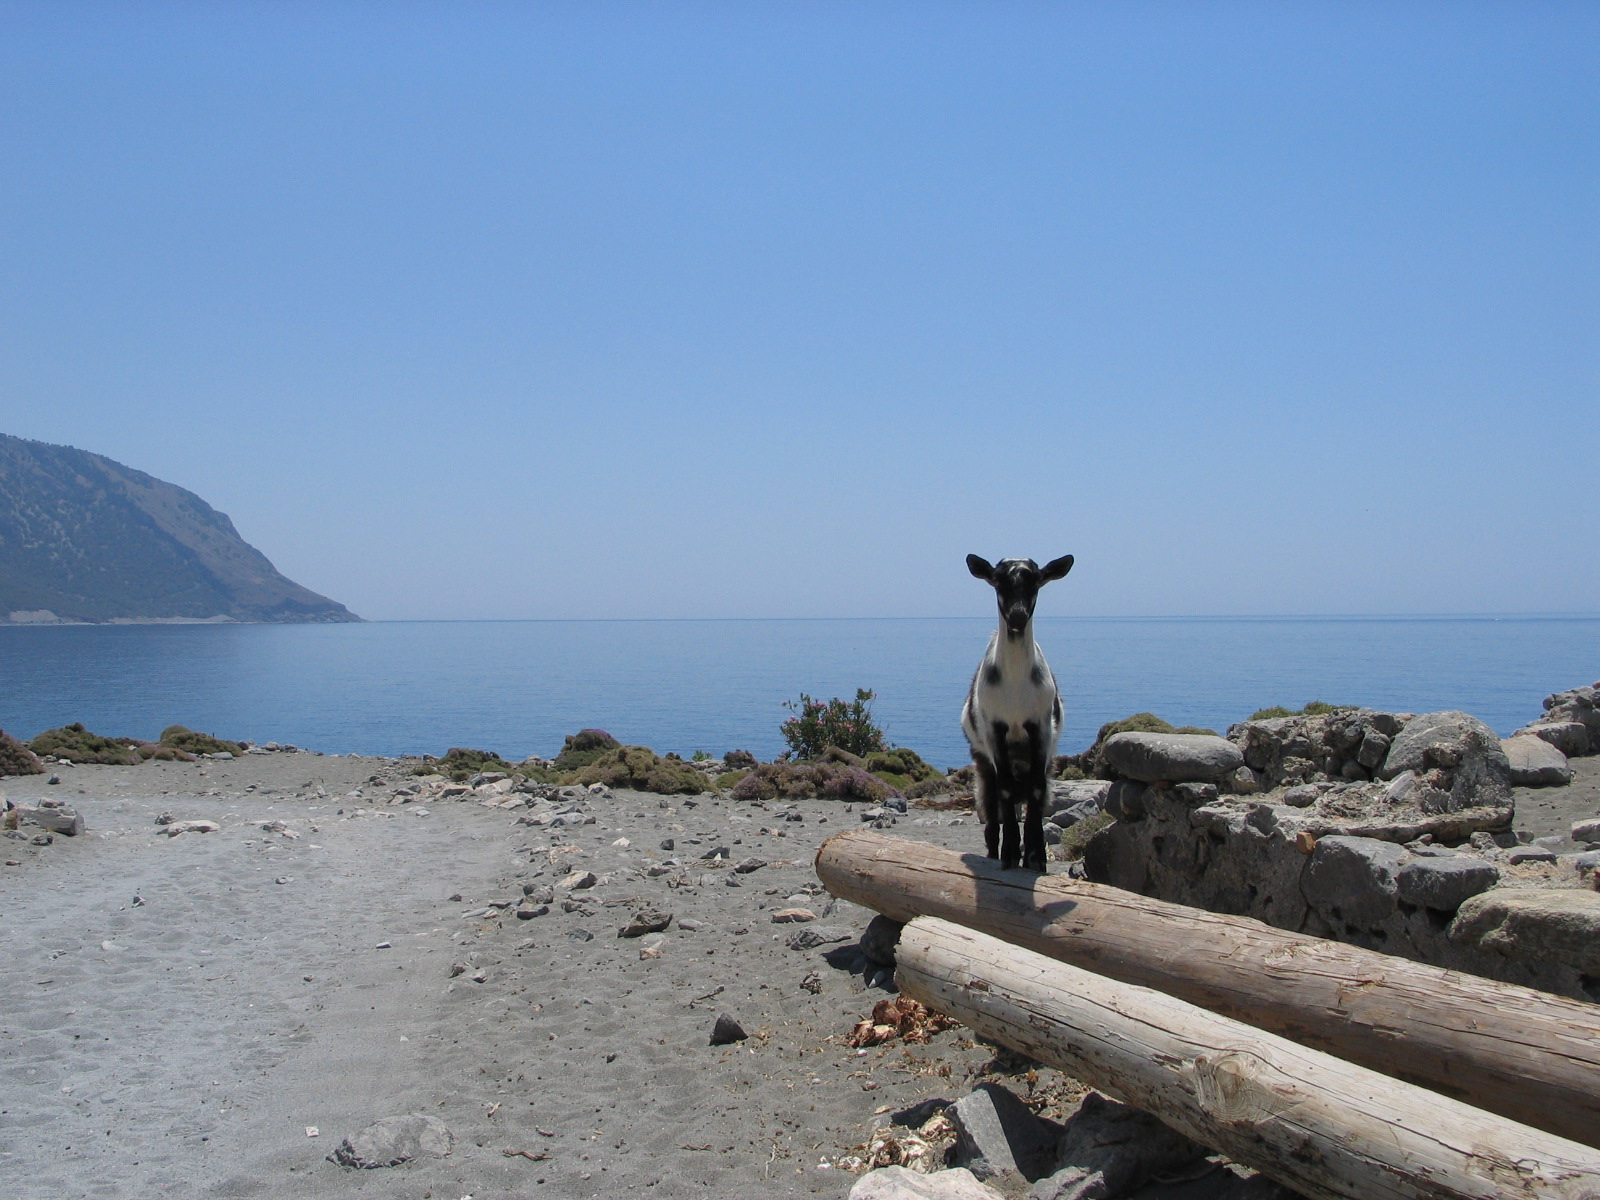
x: 792, y: 781
x: 76, y: 744
x: 902, y: 768
x: 583, y: 748
x: 17, y: 759
x: 643, y: 770
x: 176, y: 737
x: 1315, y: 709
x: 460, y: 764
x: 1090, y: 764
x: 817, y: 725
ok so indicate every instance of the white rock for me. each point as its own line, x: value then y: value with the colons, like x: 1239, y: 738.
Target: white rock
x: 897, y: 1183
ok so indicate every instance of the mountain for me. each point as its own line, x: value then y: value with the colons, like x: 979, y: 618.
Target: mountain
x: 83, y: 538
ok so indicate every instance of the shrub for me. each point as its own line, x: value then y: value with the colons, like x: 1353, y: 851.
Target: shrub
x: 1315, y: 709
x: 798, y: 781
x: 149, y: 750
x: 17, y: 759
x: 734, y: 759
x: 1075, y: 838
x: 176, y: 737
x: 729, y: 779
x: 817, y: 725
x: 902, y: 767
x: 643, y: 770
x: 76, y: 744
x: 583, y: 748
x: 461, y: 764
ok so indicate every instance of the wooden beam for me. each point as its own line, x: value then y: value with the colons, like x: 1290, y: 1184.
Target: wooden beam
x: 1524, y: 1054
x: 1327, y: 1128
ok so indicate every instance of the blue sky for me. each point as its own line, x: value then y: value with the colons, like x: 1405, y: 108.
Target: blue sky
x: 564, y: 310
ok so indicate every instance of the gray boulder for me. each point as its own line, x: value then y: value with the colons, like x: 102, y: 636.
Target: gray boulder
x: 1569, y: 737
x: 1445, y: 883
x: 1581, y: 705
x: 1077, y: 795
x: 54, y: 817
x: 1109, y: 1149
x: 395, y: 1140
x: 1171, y: 757
x: 1354, y: 879
x: 997, y: 1134
x: 1586, y: 830
x: 1556, y: 925
x: 1535, y: 762
x: 1466, y: 753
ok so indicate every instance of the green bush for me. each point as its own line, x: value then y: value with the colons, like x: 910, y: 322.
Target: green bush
x: 17, y: 759
x: 76, y: 744
x: 643, y: 770
x: 816, y: 725
x: 1315, y: 709
x: 461, y: 764
x: 729, y: 779
x: 176, y: 737
x: 907, y: 767
x: 583, y: 748
x: 1075, y: 838
x: 798, y: 781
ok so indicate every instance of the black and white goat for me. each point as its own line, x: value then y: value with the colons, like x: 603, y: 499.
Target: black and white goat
x: 1012, y: 716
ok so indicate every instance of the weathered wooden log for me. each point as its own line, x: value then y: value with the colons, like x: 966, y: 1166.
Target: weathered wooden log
x: 1524, y: 1054
x: 1327, y: 1128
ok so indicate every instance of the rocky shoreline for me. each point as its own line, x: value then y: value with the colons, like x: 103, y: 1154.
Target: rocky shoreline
x: 270, y: 973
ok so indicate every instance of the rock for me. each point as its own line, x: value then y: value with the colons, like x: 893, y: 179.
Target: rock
x: 726, y: 1031
x: 898, y: 1183
x: 539, y: 893
x: 997, y: 1134
x: 1532, y: 854
x: 785, y: 916
x: 578, y: 881
x: 1073, y: 794
x: 881, y: 937
x: 1570, y: 737
x: 177, y: 827
x: 646, y: 920
x: 1586, y: 830
x: 1535, y: 763
x: 527, y: 912
x: 690, y: 925
x: 813, y: 936
x: 668, y: 844
x: 1463, y: 747
x: 1444, y: 884
x: 53, y: 816
x: 395, y: 1140
x: 1110, y: 1149
x: 717, y: 852
x: 580, y: 935
x: 1354, y: 879
x: 42, y: 839
x: 1241, y: 781
x: 1557, y: 925
x: 1171, y: 757
x: 749, y: 865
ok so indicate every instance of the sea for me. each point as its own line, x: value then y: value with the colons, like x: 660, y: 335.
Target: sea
x: 519, y: 687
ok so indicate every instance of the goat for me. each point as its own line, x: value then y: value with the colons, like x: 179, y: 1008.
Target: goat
x: 1012, y: 716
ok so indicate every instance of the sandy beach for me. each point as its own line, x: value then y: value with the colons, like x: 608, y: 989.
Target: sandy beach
x: 179, y: 1011
x: 211, y: 1014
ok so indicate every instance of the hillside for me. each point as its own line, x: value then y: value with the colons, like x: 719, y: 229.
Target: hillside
x: 83, y: 538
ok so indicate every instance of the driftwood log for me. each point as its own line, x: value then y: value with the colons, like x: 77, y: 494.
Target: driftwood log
x: 1324, y: 1127
x: 1524, y: 1054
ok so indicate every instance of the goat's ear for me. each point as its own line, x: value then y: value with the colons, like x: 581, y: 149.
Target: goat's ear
x: 980, y: 567
x: 1055, y: 569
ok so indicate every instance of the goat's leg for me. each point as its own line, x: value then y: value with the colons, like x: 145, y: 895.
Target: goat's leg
x: 1007, y: 796
x: 1037, y: 787
x: 985, y: 794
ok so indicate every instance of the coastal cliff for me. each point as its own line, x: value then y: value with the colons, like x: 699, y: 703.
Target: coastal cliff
x: 86, y: 539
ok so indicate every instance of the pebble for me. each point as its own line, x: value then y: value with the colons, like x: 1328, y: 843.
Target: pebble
x: 580, y: 935
x: 748, y: 865
x: 691, y: 924
x: 727, y: 1031
x: 785, y: 916
x: 384, y: 946
x: 646, y: 920
x: 284, y: 879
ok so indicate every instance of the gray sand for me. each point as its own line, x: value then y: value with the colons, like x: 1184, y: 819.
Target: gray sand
x: 182, y: 1046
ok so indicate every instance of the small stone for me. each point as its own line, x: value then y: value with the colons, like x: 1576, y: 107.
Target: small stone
x: 1586, y: 830
x: 785, y: 916
x: 42, y: 839
x: 384, y: 946
x: 719, y: 852
x: 748, y: 865
x: 579, y: 880
x: 652, y: 951
x: 457, y: 969
x: 668, y: 844
x: 813, y: 936
x: 580, y: 935
x: 527, y: 912
x: 690, y: 924
x: 726, y: 1031
x: 646, y: 920
x: 394, y: 1140
x: 1532, y: 854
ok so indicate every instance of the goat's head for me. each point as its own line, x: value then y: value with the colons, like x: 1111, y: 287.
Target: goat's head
x: 1016, y: 585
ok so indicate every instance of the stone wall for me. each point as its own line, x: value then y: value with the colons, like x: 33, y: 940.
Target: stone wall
x: 1392, y: 831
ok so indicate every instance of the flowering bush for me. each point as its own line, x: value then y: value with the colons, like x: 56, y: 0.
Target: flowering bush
x: 816, y: 725
x: 795, y: 781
